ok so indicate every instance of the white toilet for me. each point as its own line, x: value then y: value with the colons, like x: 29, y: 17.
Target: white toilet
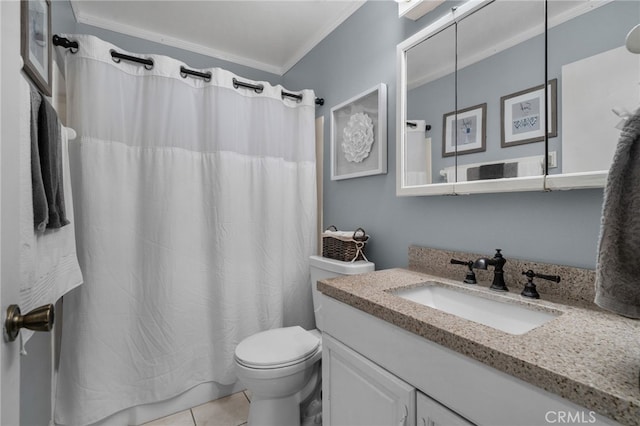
x: 281, y: 367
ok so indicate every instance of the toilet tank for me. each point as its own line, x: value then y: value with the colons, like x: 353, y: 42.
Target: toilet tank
x: 323, y: 268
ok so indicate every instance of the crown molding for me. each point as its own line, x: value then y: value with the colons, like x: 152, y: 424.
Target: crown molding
x: 278, y: 69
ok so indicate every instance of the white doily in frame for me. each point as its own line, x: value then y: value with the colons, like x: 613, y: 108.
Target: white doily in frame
x: 357, y: 137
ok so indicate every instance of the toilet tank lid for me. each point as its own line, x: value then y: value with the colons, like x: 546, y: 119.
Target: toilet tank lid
x: 340, y: 267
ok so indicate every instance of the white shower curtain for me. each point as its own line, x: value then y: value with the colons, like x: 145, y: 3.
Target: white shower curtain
x: 195, y: 211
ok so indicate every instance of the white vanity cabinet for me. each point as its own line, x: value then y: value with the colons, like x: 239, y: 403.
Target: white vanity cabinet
x: 357, y: 392
x: 431, y: 413
x: 373, y: 369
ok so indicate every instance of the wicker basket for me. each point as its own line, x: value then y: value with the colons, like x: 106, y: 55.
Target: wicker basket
x: 344, y: 248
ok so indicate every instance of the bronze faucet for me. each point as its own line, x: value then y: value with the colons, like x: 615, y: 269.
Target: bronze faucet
x: 497, y: 262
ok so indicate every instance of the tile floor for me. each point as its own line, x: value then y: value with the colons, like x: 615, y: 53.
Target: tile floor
x: 232, y: 410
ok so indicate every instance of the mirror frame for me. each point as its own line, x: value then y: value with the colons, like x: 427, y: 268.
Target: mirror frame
x: 583, y: 180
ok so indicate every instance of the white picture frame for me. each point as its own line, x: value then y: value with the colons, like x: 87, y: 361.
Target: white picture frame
x: 359, y: 135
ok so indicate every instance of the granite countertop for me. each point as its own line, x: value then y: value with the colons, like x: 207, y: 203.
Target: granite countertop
x: 587, y: 356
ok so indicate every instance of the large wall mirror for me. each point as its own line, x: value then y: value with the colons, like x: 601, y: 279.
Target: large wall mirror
x: 513, y: 96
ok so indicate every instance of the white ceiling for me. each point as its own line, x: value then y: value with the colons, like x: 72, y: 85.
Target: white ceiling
x: 268, y: 35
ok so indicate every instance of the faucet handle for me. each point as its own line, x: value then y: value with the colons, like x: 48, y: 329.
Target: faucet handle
x: 531, y: 274
x: 530, y: 288
x: 470, y: 278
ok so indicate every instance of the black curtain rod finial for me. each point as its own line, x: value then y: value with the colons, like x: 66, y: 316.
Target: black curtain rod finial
x: 65, y: 42
x: 319, y: 101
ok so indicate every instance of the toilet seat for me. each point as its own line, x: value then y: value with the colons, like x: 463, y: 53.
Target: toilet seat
x: 277, y: 348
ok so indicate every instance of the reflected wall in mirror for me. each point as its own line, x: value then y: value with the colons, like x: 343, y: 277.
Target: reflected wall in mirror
x: 430, y: 94
x: 596, y: 76
x: 501, y: 51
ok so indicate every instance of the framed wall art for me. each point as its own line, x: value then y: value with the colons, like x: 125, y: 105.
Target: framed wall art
x: 359, y: 135
x: 464, y: 131
x: 35, y: 43
x: 522, y: 115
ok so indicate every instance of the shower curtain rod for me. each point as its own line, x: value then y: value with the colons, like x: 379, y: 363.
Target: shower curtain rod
x: 184, y: 72
x: 117, y: 57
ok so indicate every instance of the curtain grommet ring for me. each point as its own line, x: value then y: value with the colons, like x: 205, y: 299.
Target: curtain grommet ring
x: 114, y: 58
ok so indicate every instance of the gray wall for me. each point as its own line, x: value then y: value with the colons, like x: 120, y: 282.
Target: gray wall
x: 595, y: 32
x: 556, y: 227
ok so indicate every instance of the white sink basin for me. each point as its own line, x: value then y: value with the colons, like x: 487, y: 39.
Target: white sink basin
x: 509, y: 317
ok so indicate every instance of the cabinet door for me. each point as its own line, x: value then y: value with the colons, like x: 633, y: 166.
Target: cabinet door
x: 357, y: 392
x: 432, y: 413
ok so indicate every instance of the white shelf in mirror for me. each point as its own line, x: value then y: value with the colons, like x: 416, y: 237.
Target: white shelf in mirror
x: 561, y: 182
x: 416, y: 9
x: 581, y: 180
x: 517, y: 184
x: 431, y: 189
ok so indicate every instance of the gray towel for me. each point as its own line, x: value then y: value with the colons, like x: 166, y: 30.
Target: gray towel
x: 618, y: 266
x: 50, y: 153
x: 40, y: 209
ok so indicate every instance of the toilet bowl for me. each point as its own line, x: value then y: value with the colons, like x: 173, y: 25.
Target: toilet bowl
x: 281, y: 367
x: 281, y: 370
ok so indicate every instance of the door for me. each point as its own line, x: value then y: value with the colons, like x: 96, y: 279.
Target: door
x: 357, y: 392
x: 10, y: 65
